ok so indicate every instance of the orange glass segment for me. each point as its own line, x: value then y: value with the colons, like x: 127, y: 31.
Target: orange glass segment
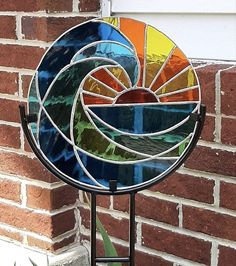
x: 158, y: 48
x: 185, y: 80
x: 135, y: 31
x: 175, y: 64
x: 94, y: 86
x: 90, y: 99
x: 120, y: 75
x: 107, y: 79
x: 190, y: 95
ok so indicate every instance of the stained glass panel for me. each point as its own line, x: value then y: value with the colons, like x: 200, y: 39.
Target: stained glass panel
x: 114, y: 99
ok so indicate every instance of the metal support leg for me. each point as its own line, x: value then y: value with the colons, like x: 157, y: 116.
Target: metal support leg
x: 132, y: 229
x: 131, y: 258
x: 93, y: 229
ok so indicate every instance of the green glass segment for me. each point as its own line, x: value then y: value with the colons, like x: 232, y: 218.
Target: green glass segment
x: 150, y: 145
x: 33, y: 98
x: 62, y: 93
x: 33, y: 104
x: 89, y: 139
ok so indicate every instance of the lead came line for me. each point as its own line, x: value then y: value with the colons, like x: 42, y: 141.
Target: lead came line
x: 103, y: 84
x: 98, y: 95
x: 140, y: 135
x: 94, y: 44
x: 141, y: 104
x: 115, y: 78
x: 162, y: 67
x: 72, y: 64
x: 174, y: 77
x: 177, y: 91
x: 145, y: 59
x: 85, y: 170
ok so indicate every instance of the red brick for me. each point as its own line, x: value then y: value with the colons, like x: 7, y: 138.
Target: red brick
x: 228, y: 195
x: 63, y: 222
x: 156, y: 209
x: 187, y: 186
x: 9, y: 136
x: 228, y: 133
x: 206, y: 77
x: 26, y: 79
x: 85, y: 217
x: 9, y: 110
x: 9, y: 83
x: 228, y: 91
x: 26, y: 145
x: 212, y: 160
x: 20, y: 56
x: 142, y: 259
x: 89, y: 5
x: 103, y: 201
x: 42, y: 198
x: 49, y: 226
x: 209, y: 222
x: 8, y: 27
x: 112, y: 225
x: 174, y: 243
x: 13, y: 235
x: 10, y: 190
x: 24, y: 166
x: 121, y: 203
x: 48, y: 28
x: 36, y: 5
x: 227, y: 256
x: 208, y: 129
x: 34, y: 242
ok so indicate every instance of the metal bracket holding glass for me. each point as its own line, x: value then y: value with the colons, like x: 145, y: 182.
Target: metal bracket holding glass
x: 113, y: 108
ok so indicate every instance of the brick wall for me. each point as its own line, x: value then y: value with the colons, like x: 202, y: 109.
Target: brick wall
x: 36, y: 209
x: 188, y: 219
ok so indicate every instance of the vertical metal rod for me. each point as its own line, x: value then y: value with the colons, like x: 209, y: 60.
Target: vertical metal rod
x: 132, y: 231
x: 93, y: 229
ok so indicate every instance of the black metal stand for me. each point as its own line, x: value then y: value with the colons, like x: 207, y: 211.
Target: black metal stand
x: 131, y: 258
x: 26, y: 119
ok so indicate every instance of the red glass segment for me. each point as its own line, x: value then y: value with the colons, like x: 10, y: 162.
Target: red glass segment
x: 90, y: 99
x: 104, y: 77
x: 137, y: 96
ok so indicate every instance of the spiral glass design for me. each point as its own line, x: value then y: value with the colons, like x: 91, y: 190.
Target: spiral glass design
x: 113, y: 99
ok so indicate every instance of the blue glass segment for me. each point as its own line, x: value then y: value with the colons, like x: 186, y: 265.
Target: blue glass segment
x: 63, y: 50
x: 58, y: 151
x: 143, y: 119
x: 117, y: 52
x: 125, y: 174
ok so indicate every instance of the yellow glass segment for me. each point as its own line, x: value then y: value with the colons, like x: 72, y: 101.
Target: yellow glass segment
x: 120, y: 75
x: 185, y: 80
x: 94, y: 86
x: 112, y: 21
x: 158, y: 47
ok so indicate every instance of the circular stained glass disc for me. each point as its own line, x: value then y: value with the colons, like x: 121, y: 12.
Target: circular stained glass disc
x: 114, y: 99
